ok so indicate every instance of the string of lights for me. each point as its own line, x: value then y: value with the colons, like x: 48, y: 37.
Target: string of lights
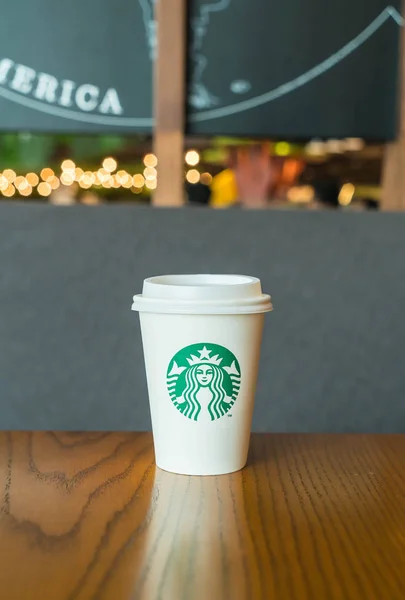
x: 107, y: 176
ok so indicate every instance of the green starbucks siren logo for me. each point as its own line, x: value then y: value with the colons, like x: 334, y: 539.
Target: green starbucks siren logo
x: 203, y: 381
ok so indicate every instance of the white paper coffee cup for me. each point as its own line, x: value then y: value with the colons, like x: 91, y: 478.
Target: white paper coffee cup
x: 201, y: 337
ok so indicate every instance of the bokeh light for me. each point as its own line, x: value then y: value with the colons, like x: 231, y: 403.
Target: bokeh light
x: 110, y: 164
x: 151, y: 184
x: 68, y: 165
x: 3, y: 182
x: 150, y: 160
x: 149, y: 173
x: 66, y: 178
x: 44, y: 189
x: 206, y: 178
x: 282, y: 149
x: 138, y: 180
x: 46, y: 174
x: 301, y: 194
x: 315, y: 148
x: 103, y: 175
x: 335, y: 146
x: 115, y: 183
x: 21, y: 183
x: 123, y: 177
x: 9, y: 191
x: 54, y: 182
x: 32, y: 179
x: 193, y: 176
x: 127, y: 183
x: 27, y: 191
x: 85, y: 184
x: 10, y: 175
x: 87, y: 179
x: 346, y: 194
x: 78, y: 173
x: 354, y: 144
x: 192, y: 157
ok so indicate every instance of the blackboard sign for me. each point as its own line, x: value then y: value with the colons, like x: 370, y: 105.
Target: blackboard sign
x: 80, y: 66
x: 282, y: 68
x: 294, y: 69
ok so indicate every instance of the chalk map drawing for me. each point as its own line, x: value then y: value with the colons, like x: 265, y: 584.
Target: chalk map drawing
x: 200, y: 97
x: 148, y: 15
x: 304, y: 78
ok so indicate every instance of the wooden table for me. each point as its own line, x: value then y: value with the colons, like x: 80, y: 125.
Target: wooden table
x: 88, y: 516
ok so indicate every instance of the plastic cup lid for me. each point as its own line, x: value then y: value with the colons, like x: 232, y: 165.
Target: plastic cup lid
x: 202, y: 294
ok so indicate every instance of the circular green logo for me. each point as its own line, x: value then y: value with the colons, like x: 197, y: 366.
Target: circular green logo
x: 203, y: 381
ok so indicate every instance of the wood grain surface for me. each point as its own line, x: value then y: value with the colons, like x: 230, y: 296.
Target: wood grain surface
x: 88, y: 516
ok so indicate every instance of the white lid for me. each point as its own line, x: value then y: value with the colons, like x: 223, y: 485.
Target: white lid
x: 202, y: 294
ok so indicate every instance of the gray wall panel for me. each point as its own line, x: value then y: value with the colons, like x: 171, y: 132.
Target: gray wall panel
x: 70, y: 348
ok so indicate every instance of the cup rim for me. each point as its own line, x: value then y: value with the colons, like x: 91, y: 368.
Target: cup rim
x: 202, y: 294
x: 201, y: 280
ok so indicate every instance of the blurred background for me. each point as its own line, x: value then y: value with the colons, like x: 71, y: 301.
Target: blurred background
x: 276, y: 107
x: 61, y: 169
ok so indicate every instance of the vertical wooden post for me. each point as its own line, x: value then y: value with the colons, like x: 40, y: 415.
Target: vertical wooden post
x: 169, y: 101
x: 393, y: 175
